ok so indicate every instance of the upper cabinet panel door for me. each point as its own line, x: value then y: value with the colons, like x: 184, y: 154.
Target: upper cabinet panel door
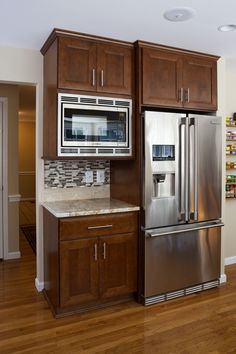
x: 199, y: 82
x: 77, y: 64
x: 114, y: 69
x: 161, y: 78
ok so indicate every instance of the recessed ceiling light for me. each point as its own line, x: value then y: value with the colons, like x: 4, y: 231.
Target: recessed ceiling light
x: 227, y: 28
x: 179, y: 14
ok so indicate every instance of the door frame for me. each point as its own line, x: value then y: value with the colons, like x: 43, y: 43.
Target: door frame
x: 4, y: 101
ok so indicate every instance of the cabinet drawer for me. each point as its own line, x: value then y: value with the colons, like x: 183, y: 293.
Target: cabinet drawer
x: 90, y: 226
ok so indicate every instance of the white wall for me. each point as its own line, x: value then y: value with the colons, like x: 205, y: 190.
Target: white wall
x: 22, y: 66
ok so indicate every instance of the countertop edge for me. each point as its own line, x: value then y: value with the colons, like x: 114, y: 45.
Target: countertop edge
x: 91, y: 212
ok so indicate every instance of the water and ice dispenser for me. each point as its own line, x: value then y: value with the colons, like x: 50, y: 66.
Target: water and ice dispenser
x: 163, y: 174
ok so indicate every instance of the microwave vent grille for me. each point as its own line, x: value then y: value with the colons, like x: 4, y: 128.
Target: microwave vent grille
x: 88, y: 151
x: 105, y: 151
x: 104, y: 101
x: 122, y: 151
x: 122, y: 103
x: 88, y: 100
x: 69, y: 151
x: 69, y: 99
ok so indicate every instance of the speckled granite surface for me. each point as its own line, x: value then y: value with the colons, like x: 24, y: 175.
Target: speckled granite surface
x: 68, y: 208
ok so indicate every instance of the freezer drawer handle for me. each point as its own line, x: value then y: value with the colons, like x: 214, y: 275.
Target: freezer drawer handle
x: 150, y: 234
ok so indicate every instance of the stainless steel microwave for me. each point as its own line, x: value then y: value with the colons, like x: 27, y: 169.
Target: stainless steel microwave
x: 94, y: 126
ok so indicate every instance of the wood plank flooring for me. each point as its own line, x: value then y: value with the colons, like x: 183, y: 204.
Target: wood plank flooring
x: 27, y: 215
x: 202, y: 323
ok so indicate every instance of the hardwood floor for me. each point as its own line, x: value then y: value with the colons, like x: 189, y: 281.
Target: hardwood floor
x: 27, y: 213
x: 204, y: 323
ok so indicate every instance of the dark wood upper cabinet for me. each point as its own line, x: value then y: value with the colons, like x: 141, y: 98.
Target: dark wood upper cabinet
x: 172, y: 78
x: 77, y: 63
x: 161, y: 78
x: 200, y: 83
x: 114, y: 69
x: 87, y: 65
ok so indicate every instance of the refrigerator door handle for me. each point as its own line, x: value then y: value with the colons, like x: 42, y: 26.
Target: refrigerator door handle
x: 156, y: 234
x: 193, y: 213
x: 187, y: 166
x: 182, y: 170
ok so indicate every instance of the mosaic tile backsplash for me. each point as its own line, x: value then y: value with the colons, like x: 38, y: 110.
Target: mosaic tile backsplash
x: 69, y: 174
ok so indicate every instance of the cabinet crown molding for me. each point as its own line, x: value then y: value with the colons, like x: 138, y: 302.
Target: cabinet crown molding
x: 58, y: 32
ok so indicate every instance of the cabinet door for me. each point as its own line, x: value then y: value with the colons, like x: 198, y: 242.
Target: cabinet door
x: 79, y: 272
x: 77, y: 64
x: 118, y: 265
x: 199, y: 82
x: 161, y: 78
x: 114, y: 66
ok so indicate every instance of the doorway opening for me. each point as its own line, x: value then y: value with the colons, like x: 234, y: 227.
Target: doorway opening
x: 17, y: 111
x: 26, y: 154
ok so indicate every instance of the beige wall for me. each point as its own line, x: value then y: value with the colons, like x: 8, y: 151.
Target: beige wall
x: 25, y: 66
x: 12, y: 94
x: 26, y: 158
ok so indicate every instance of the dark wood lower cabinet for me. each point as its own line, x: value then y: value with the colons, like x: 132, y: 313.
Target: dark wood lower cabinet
x: 118, y: 265
x: 79, y: 272
x: 90, y: 271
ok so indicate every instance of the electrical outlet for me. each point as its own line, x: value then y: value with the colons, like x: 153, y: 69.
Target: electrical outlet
x: 88, y: 176
x: 100, y: 176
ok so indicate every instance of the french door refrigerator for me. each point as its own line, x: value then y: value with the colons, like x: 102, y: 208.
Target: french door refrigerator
x: 181, y: 225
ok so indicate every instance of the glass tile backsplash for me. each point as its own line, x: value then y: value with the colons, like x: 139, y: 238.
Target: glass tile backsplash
x: 70, y: 174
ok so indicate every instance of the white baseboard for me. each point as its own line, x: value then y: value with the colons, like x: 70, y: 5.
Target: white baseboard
x: 28, y: 199
x: 13, y: 255
x: 230, y: 260
x: 223, y: 278
x: 39, y: 285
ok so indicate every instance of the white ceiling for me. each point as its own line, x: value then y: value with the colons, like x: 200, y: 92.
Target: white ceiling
x: 28, y: 23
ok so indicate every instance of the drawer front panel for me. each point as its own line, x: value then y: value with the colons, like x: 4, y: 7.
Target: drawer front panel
x: 91, y: 226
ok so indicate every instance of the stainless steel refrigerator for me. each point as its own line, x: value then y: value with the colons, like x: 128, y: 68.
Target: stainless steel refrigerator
x: 181, y: 224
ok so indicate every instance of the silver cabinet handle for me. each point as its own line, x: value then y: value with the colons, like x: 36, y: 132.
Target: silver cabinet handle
x: 102, y: 78
x: 93, y: 77
x: 188, y: 95
x: 104, y: 250
x: 95, y: 252
x: 182, y: 95
x: 99, y: 227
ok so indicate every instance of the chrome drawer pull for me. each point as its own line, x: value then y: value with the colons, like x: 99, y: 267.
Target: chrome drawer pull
x: 99, y: 227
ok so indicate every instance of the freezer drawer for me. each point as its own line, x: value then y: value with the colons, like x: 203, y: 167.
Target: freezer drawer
x: 180, y: 257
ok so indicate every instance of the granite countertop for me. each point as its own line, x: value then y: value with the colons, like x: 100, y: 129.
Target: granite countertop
x: 69, y: 208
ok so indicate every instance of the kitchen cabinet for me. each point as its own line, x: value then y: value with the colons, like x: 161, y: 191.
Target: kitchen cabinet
x: 82, y: 64
x: 92, y: 66
x: 171, y: 78
x: 96, y: 258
